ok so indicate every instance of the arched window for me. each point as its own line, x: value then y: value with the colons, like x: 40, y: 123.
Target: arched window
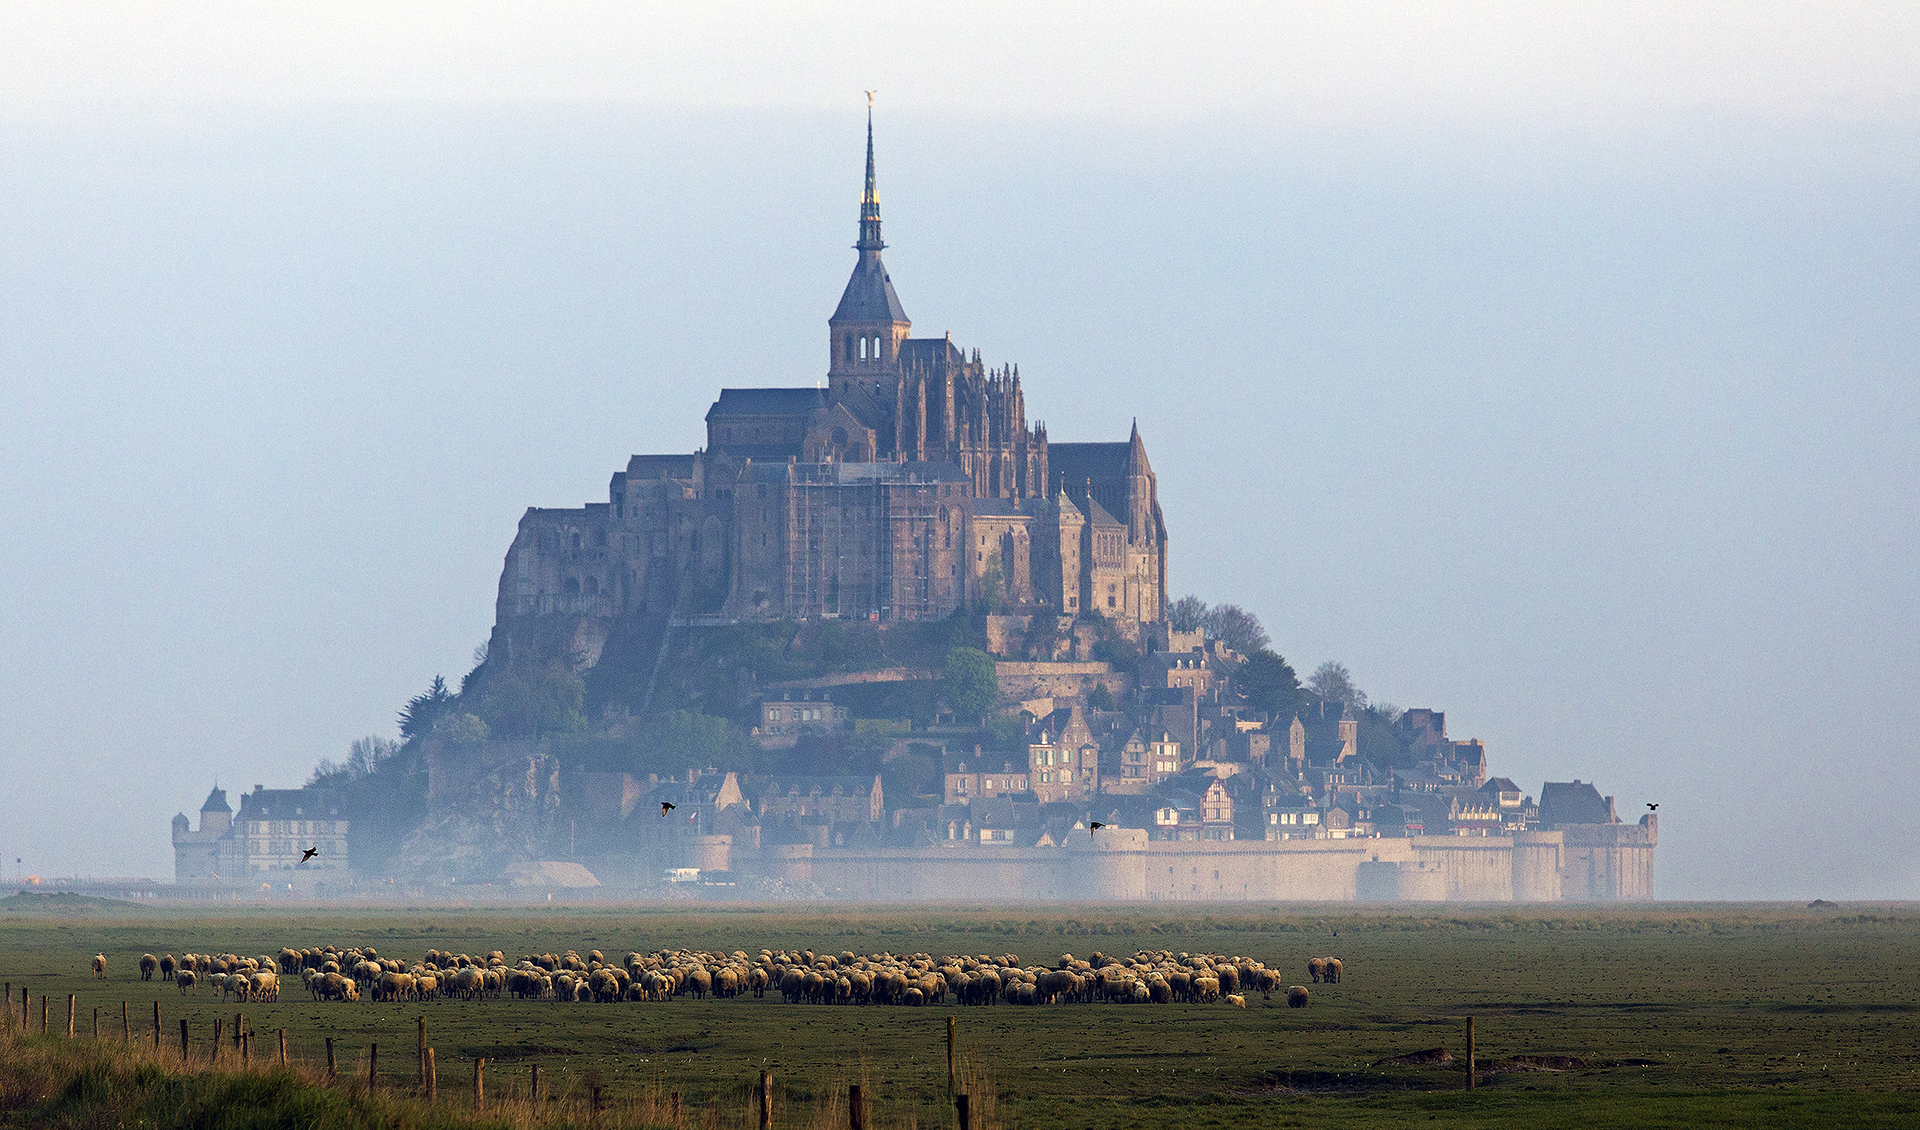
x: 863, y: 349
x: 849, y: 347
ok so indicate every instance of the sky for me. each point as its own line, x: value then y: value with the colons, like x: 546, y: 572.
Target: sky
x: 1553, y: 365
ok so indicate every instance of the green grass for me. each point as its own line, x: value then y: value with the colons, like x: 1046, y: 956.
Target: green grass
x: 1684, y: 1014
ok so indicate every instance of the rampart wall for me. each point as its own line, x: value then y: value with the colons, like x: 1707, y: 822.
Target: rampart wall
x: 1602, y: 862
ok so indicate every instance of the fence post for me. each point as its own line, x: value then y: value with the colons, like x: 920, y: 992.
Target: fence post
x: 156, y: 1026
x: 373, y: 1067
x: 330, y: 1074
x: 766, y: 1100
x: 96, y: 1022
x: 675, y: 1119
x: 239, y: 1026
x: 44, y: 1007
x: 533, y: 1090
x: 126, y: 1025
x: 1470, y: 1052
x: 183, y: 1041
x: 856, y: 1108
x: 69, y: 1016
x: 431, y: 1081
x: 949, y: 1055
x: 421, y: 1051
x: 216, y: 1039
x: 283, y: 1047
x: 479, y: 1083
x: 963, y: 1111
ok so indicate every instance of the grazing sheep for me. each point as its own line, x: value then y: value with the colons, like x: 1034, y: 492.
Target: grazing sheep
x: 1334, y: 970
x: 1236, y: 1000
x: 1296, y: 996
x: 100, y: 966
x: 184, y: 979
x: 167, y: 967
x: 1316, y: 968
x: 148, y: 963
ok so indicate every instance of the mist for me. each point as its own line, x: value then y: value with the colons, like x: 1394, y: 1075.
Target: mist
x: 1599, y: 439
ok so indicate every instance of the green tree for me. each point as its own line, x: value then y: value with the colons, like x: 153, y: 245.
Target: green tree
x: 529, y: 701
x: 423, y: 710
x: 969, y: 682
x: 1269, y: 685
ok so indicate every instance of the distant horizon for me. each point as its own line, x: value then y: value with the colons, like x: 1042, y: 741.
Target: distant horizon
x: 1581, y: 404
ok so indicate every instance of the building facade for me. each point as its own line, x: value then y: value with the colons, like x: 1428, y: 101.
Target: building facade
x: 908, y: 484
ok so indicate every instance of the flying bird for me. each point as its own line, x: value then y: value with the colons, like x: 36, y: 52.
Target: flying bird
x: 666, y: 806
x: 309, y: 854
x: 1652, y: 807
x: 1094, y: 827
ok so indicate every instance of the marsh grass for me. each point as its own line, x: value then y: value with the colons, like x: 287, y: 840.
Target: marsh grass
x: 54, y: 1083
x: 1587, y: 1017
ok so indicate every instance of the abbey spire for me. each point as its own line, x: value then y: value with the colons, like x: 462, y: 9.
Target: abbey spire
x: 867, y: 328
x: 870, y: 204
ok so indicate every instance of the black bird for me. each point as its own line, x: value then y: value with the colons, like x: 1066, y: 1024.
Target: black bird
x: 666, y: 806
x: 309, y: 854
x: 1652, y: 807
x: 1094, y: 827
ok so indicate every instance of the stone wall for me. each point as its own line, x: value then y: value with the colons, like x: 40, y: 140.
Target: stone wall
x: 1610, y: 862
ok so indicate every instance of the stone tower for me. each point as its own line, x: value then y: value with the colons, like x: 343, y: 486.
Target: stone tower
x: 869, y: 325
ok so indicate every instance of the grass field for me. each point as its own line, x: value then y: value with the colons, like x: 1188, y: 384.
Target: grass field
x: 1657, y: 1016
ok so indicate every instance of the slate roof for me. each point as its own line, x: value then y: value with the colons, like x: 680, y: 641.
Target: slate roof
x: 766, y: 402
x: 289, y: 804
x: 1572, y: 802
x: 869, y: 296
x: 216, y: 802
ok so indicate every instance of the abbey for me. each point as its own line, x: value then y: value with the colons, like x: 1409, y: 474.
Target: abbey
x: 907, y: 485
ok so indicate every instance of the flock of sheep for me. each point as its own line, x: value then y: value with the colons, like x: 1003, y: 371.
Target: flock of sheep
x: 330, y: 973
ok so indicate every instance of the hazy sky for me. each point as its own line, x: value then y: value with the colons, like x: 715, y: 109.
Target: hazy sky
x: 1552, y: 365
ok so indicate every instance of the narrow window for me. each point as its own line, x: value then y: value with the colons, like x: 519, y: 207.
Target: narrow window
x: 863, y: 349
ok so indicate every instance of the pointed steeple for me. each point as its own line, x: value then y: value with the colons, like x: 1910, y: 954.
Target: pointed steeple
x: 866, y: 329
x: 870, y: 202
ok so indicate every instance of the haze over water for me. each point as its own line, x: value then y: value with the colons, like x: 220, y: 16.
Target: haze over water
x: 1554, y: 367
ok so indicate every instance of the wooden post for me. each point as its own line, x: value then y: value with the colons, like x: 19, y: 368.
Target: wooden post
x: 533, y: 1089
x: 430, y: 1075
x: 856, y: 1108
x: 479, y: 1083
x: 216, y: 1040
x: 949, y: 1055
x: 126, y: 1025
x: 766, y: 1100
x: 238, y: 1027
x: 283, y: 1047
x: 1470, y: 1052
x: 676, y: 1108
x: 96, y: 1022
x: 44, y: 1008
x: 69, y: 1016
x: 373, y: 1067
x: 963, y: 1111
x: 183, y: 1041
x: 156, y: 1026
x: 330, y: 1074
x: 421, y: 1051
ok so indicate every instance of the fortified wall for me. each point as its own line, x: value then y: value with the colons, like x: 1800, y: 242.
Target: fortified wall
x: 1600, y: 863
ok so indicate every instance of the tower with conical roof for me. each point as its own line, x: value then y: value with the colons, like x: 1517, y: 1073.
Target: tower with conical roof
x: 868, y: 327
